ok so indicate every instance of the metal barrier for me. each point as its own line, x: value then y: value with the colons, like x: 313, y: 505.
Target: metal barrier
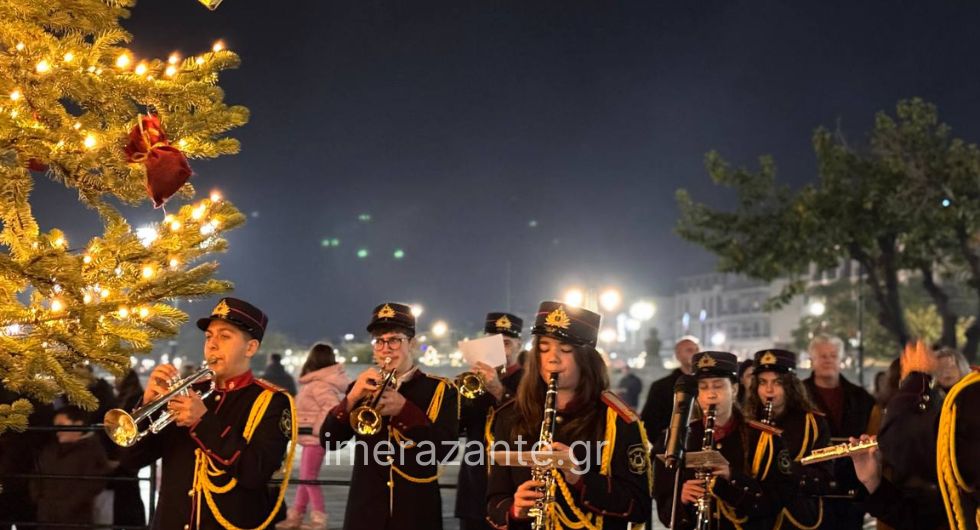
x: 151, y: 507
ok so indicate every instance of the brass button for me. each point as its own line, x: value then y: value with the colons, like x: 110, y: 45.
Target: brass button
x: 390, y: 483
x: 190, y: 493
x: 217, y: 397
x: 187, y: 527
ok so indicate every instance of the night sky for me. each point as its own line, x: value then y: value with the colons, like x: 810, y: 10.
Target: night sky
x: 543, y: 138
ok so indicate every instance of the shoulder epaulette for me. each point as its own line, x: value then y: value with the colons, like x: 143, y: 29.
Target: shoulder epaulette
x: 816, y: 412
x: 440, y: 378
x: 269, y: 386
x: 622, y: 409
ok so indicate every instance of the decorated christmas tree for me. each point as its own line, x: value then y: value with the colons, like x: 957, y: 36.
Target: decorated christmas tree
x: 79, y: 107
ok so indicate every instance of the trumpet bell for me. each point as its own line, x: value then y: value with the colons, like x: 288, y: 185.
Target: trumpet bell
x: 121, y: 427
x: 365, y: 420
x: 470, y: 385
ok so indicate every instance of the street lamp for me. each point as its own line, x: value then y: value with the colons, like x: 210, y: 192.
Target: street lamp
x: 416, y: 310
x: 718, y: 338
x: 439, y: 328
x: 610, y: 299
x: 608, y: 335
x: 643, y: 310
x: 817, y: 308
x: 574, y: 297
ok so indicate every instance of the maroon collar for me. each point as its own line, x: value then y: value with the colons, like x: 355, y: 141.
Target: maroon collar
x: 238, y: 382
x: 511, y: 369
x: 721, y: 431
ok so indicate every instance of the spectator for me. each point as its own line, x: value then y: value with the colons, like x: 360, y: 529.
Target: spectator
x: 629, y: 387
x: 19, y: 452
x: 276, y: 374
x: 745, y: 370
x: 74, y: 453
x: 851, y: 412
x: 952, y: 367
x: 323, y: 384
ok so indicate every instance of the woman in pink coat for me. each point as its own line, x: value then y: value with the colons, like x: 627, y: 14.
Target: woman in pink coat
x: 323, y: 384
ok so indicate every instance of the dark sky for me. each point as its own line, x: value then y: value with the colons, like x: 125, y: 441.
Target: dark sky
x: 456, y: 124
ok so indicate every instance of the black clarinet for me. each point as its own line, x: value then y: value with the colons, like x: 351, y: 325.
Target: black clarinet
x: 539, y: 512
x: 704, y: 507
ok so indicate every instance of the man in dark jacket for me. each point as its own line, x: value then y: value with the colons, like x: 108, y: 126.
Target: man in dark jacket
x: 276, y: 374
x: 660, y: 399
x: 851, y: 411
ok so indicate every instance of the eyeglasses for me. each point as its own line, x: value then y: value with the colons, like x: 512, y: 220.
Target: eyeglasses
x: 394, y: 343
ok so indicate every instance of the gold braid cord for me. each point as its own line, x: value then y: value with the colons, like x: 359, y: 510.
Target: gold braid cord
x: 205, y: 469
x: 950, y: 479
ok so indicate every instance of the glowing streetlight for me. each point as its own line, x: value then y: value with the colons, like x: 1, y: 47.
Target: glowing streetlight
x: 643, y: 310
x: 610, y: 299
x: 718, y: 338
x: 608, y: 335
x: 817, y: 308
x: 439, y: 328
x: 417, y: 310
x: 574, y: 297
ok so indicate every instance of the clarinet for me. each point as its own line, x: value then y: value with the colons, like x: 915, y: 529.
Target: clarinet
x: 767, y: 413
x: 704, y: 507
x: 539, y: 511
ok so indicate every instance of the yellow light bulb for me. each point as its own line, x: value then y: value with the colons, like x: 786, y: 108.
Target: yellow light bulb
x: 19, y: 47
x: 123, y: 311
x: 14, y: 113
x: 174, y: 263
x: 140, y: 69
x: 182, y: 143
x: 104, y: 293
x: 148, y: 271
x: 90, y: 69
x: 57, y: 305
x: 170, y: 71
x: 215, y: 196
x: 173, y: 58
x: 87, y: 259
x: 199, y: 61
x: 43, y: 66
x: 77, y: 125
x: 69, y: 57
x: 123, y: 60
x: 87, y: 298
x: 215, y: 223
x: 175, y: 225
x: 218, y: 46
x: 15, y: 95
x: 58, y: 243
x: 198, y: 213
x: 90, y: 141
x: 144, y: 312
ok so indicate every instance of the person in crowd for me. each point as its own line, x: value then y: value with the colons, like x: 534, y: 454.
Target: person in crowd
x: 127, y: 504
x: 73, y: 453
x: 629, y: 387
x: 952, y: 367
x: 323, y: 383
x: 276, y: 374
x: 745, y: 370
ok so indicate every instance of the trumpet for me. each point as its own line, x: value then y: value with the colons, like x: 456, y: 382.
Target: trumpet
x: 471, y: 385
x: 123, y: 427
x: 837, y: 451
x: 365, y: 419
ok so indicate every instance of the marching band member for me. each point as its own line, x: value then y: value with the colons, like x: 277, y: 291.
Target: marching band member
x: 223, y: 450
x: 738, y: 500
x: 395, y: 478
x: 609, y: 485
x: 802, y: 429
x: 476, y: 415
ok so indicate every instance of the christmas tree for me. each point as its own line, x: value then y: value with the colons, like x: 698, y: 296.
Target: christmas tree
x: 78, y: 107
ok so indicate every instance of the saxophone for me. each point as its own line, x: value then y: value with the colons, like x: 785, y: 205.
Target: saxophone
x: 538, y: 512
x: 704, y: 507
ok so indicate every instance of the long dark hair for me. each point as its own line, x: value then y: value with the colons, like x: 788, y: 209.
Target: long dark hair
x: 797, y: 400
x: 593, y: 380
x: 321, y: 356
x: 128, y: 388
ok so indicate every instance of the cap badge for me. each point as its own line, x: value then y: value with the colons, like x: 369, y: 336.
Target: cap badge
x: 503, y: 322
x: 221, y: 309
x: 386, y: 312
x: 707, y: 362
x: 558, y: 319
x: 768, y: 358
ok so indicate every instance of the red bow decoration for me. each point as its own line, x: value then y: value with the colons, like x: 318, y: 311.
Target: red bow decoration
x: 166, y: 167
